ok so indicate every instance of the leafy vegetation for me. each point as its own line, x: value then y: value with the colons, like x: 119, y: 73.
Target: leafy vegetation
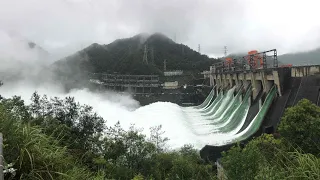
x: 295, y: 155
x: 62, y: 139
x: 301, y: 126
x: 33, y: 154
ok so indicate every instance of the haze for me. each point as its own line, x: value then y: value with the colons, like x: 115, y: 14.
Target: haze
x: 64, y: 26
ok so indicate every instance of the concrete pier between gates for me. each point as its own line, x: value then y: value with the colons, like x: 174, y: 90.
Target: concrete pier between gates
x: 260, y: 79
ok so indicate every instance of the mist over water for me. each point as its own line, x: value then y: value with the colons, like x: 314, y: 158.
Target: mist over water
x: 199, y: 127
x: 20, y: 70
x: 114, y: 107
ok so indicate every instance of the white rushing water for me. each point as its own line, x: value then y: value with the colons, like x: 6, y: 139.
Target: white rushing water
x: 217, y: 124
x: 178, y: 123
x: 114, y: 107
x: 18, y: 59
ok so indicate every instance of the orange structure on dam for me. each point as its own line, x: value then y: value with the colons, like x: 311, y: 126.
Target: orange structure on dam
x: 256, y: 58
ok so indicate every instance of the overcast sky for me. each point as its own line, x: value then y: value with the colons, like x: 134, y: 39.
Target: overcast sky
x: 242, y: 25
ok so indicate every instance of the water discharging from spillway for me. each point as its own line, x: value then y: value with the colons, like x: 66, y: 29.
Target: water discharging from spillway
x: 217, y: 121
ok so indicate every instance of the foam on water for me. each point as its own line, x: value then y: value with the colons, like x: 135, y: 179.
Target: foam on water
x: 114, y: 107
x: 181, y: 125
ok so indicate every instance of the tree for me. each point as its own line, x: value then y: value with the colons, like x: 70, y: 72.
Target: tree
x: 265, y: 157
x: 127, y: 150
x: 247, y: 162
x: 241, y: 163
x: 0, y: 86
x: 76, y: 124
x: 300, y: 126
x: 157, y: 139
x: 188, y: 151
x: 33, y: 154
x: 61, y: 139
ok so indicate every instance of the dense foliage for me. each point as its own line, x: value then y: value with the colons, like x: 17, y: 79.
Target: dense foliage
x: 61, y: 139
x: 301, y: 126
x: 294, y: 155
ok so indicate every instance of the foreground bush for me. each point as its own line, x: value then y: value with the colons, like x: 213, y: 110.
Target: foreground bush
x: 61, y: 139
x: 35, y: 155
x: 300, y: 126
x: 295, y: 155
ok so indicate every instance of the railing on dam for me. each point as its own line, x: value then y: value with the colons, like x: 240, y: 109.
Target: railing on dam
x: 252, y: 62
x: 265, y: 62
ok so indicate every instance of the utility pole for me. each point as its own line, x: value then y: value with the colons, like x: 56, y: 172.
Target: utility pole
x: 199, y: 48
x: 145, y: 54
x: 152, y: 55
x: 165, y: 65
x: 225, y: 51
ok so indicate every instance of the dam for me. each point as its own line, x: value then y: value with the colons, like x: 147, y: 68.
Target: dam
x: 263, y: 88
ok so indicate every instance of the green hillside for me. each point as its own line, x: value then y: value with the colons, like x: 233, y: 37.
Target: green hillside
x: 299, y: 58
x: 125, y: 56
x: 302, y: 58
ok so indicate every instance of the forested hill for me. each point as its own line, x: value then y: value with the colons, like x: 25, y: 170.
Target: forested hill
x: 125, y: 56
x: 301, y: 58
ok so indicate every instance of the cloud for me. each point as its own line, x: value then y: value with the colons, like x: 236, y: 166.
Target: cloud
x: 68, y: 25
x: 18, y: 58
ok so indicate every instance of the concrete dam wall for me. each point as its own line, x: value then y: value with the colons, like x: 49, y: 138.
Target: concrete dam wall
x: 292, y: 84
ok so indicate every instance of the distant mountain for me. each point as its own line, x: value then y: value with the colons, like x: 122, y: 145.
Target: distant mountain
x: 125, y: 56
x: 301, y: 58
